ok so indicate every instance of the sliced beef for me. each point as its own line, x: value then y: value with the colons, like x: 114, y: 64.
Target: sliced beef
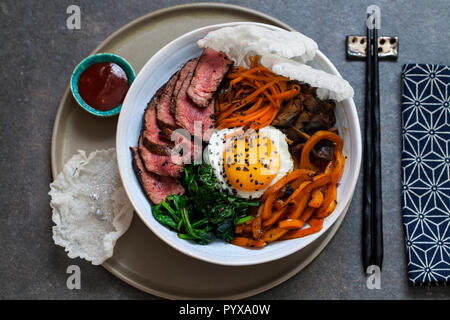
x: 184, y: 72
x: 152, y: 137
x: 188, y: 115
x: 149, y: 118
x: 163, y: 165
x: 163, y: 115
x: 156, y: 187
x: 161, y: 147
x: 208, y: 75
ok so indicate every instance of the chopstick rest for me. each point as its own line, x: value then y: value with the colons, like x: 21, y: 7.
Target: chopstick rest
x: 356, y: 47
x: 425, y: 108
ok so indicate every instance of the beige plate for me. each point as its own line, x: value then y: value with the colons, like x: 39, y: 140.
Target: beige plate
x: 140, y: 258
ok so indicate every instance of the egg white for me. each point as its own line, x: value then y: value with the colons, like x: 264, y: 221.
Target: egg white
x: 216, y: 148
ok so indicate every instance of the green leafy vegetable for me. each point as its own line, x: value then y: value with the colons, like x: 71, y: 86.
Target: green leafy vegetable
x: 203, y: 213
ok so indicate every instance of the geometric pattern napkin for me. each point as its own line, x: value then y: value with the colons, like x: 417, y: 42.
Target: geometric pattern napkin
x: 426, y: 172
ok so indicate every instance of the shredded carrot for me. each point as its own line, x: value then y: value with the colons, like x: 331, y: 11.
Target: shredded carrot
x: 291, y: 224
x: 315, y: 226
x: 305, y: 161
x: 274, y: 234
x: 304, y: 196
x: 275, y: 216
x: 248, y: 242
x: 254, y: 97
x: 299, y: 174
x: 307, y: 214
x: 278, y: 204
x: 256, y: 225
x: 268, y: 206
x: 242, y: 228
x: 316, y: 198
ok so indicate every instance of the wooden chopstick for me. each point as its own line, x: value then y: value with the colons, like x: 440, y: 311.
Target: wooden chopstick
x: 372, y: 200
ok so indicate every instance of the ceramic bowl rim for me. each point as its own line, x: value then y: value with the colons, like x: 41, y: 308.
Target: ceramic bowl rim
x: 192, y: 253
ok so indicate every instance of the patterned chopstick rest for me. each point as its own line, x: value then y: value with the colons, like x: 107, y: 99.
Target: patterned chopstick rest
x: 426, y: 172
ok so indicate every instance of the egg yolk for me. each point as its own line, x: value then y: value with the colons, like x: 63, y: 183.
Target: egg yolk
x: 251, y: 161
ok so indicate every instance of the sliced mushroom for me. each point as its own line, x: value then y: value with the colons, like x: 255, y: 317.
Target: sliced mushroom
x: 323, y: 150
x: 288, y: 113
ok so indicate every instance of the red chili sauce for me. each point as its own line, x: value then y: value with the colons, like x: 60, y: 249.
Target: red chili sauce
x: 103, y: 86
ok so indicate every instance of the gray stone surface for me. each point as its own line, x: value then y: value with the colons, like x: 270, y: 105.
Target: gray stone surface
x: 38, y: 54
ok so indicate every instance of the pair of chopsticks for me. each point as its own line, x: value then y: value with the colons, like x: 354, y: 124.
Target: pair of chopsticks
x: 372, y: 201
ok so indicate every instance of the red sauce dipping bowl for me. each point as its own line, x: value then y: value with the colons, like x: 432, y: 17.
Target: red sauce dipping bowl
x: 100, y: 82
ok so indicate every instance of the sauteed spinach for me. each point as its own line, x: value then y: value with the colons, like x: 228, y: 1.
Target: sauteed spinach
x: 203, y: 213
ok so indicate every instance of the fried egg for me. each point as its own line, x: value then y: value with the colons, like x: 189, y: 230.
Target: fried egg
x: 247, y: 162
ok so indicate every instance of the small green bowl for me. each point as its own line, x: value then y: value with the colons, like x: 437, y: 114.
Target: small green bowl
x: 86, y: 63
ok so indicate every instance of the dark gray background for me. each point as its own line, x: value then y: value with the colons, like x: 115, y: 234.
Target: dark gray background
x: 38, y: 54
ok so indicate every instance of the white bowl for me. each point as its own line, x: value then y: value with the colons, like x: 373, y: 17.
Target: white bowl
x: 155, y: 73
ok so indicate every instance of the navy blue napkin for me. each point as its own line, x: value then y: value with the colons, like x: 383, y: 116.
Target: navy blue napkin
x: 426, y: 172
